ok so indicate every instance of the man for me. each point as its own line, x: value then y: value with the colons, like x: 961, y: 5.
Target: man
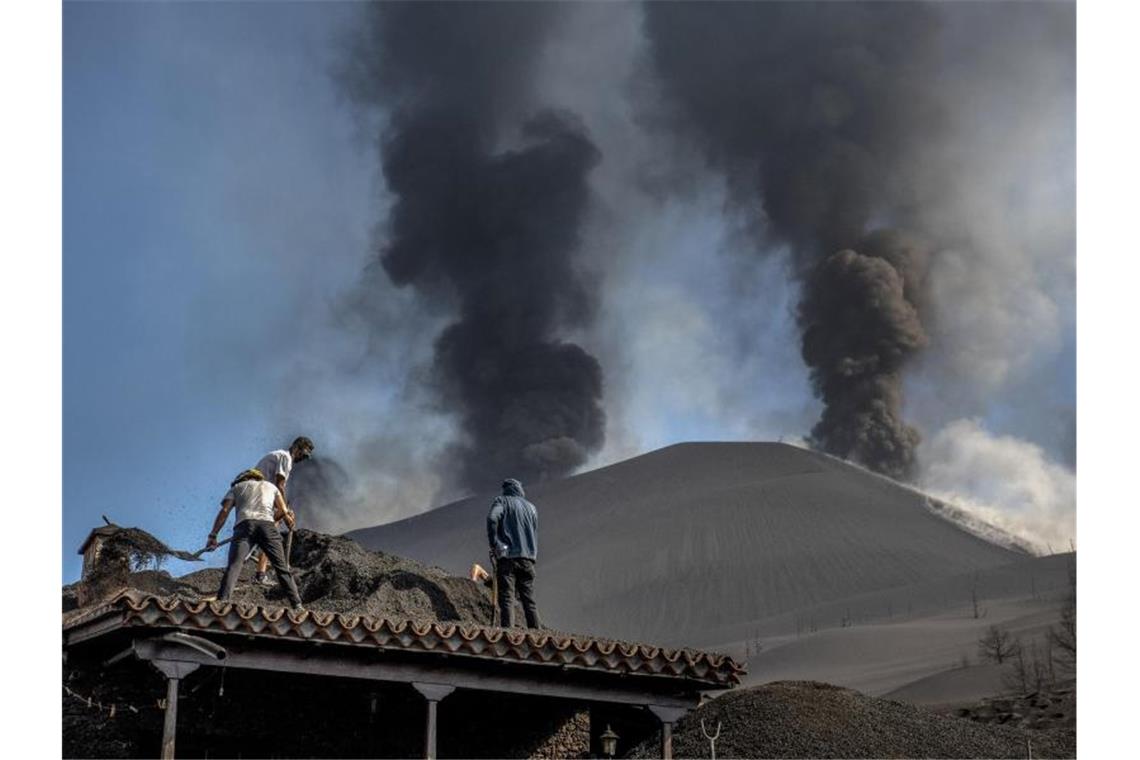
x: 276, y: 466
x: 259, y: 505
x: 512, y: 527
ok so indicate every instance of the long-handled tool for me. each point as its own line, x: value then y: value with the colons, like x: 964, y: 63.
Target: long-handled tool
x: 494, y: 590
x: 200, y: 552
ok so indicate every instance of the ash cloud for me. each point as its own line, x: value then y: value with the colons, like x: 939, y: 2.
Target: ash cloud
x: 814, y: 113
x: 860, y: 325
x: 489, y: 193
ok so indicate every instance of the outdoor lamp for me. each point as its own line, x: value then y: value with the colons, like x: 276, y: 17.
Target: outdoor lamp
x: 609, y: 742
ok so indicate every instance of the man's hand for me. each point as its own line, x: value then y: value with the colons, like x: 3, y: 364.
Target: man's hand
x: 211, y: 542
x: 290, y: 519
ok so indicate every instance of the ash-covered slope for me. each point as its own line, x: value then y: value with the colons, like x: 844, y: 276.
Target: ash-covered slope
x: 808, y: 719
x: 685, y: 541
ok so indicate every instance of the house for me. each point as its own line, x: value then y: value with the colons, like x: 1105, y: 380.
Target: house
x: 232, y: 680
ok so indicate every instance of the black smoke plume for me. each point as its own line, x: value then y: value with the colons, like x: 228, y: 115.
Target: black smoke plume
x: 860, y: 325
x: 817, y: 114
x: 490, y: 191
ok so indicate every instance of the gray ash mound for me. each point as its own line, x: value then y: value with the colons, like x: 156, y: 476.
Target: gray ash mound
x: 809, y: 719
x: 334, y: 574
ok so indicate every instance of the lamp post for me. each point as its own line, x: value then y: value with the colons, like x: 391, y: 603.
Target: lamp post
x: 609, y: 742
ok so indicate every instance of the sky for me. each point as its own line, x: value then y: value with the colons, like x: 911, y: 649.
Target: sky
x: 223, y: 203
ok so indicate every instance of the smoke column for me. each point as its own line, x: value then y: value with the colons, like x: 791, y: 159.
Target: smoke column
x: 489, y: 195
x: 814, y: 113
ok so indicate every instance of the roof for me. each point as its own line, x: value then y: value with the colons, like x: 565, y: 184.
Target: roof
x: 131, y: 608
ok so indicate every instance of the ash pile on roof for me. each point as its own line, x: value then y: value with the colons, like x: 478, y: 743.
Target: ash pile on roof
x: 333, y: 574
x: 810, y: 719
x: 123, y: 551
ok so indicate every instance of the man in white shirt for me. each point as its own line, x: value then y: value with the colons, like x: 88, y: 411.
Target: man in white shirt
x: 259, y: 505
x: 276, y: 466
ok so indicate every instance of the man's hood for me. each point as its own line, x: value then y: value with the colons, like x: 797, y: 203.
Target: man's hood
x: 512, y: 487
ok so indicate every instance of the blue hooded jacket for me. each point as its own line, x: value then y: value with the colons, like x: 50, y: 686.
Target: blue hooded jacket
x: 512, y: 524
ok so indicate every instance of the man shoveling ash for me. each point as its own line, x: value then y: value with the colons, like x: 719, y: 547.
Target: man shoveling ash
x: 259, y: 506
x: 512, y: 527
x: 277, y: 466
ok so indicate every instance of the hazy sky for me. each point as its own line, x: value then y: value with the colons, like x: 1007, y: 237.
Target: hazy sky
x: 222, y: 203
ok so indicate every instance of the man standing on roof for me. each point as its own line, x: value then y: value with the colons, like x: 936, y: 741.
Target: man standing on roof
x: 259, y: 505
x: 276, y: 466
x: 512, y: 528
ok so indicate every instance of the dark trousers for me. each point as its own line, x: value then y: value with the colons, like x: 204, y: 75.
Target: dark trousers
x: 264, y: 535
x: 516, y: 575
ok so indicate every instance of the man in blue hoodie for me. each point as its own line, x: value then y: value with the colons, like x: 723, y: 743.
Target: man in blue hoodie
x: 512, y: 527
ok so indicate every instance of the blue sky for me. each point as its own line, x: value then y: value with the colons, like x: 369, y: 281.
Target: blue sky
x: 210, y: 177
x: 220, y: 201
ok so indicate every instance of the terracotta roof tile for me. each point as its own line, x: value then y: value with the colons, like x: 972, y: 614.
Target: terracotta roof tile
x: 135, y: 608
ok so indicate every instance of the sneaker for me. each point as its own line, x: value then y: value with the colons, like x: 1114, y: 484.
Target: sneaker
x: 298, y: 608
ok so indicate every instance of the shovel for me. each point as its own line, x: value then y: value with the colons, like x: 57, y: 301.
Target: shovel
x: 197, y: 556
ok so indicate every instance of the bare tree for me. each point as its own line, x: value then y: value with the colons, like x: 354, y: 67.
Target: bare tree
x: 1018, y: 676
x: 1030, y: 668
x: 1039, y: 662
x: 997, y: 645
x: 978, y: 611
x: 1063, y: 636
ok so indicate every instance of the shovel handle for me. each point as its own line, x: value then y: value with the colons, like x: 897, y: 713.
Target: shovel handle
x: 203, y: 550
x: 495, y: 621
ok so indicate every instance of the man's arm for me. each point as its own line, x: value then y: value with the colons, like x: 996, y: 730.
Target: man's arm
x: 279, y: 480
x: 219, y: 521
x: 281, y: 510
x: 494, y: 518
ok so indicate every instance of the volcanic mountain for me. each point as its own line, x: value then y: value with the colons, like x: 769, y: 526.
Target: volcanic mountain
x: 720, y: 543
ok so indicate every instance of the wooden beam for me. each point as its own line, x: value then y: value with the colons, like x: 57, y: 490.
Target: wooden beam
x: 331, y: 663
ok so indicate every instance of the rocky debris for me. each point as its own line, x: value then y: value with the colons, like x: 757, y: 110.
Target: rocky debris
x: 333, y: 574
x: 121, y: 552
x: 810, y: 719
x: 567, y: 737
x: 1053, y: 709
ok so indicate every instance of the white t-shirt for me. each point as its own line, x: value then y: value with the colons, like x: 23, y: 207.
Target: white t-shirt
x: 275, y: 463
x: 253, y: 500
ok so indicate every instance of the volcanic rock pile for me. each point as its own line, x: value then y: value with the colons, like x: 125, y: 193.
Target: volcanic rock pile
x: 333, y: 574
x: 810, y: 719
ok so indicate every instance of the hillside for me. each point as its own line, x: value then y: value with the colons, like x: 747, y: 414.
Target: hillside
x: 807, y: 719
x: 687, y: 543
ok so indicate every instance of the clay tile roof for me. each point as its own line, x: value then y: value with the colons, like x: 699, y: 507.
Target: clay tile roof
x: 133, y: 608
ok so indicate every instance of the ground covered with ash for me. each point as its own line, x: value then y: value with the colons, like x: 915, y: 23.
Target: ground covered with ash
x: 1046, y: 709
x: 333, y: 574
x: 810, y: 719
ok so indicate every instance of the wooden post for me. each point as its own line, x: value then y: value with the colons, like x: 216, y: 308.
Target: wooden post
x: 433, y: 693
x: 174, y: 671
x: 170, y: 718
x: 668, y: 716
